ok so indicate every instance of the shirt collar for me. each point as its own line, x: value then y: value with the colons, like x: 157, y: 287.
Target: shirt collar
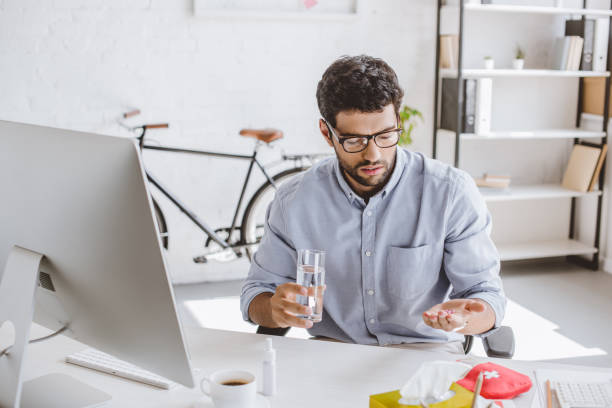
x: 400, y: 160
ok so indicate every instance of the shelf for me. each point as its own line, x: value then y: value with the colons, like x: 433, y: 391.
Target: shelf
x: 543, y: 249
x: 521, y: 73
x: 501, y: 8
x: 532, y: 192
x: 528, y: 134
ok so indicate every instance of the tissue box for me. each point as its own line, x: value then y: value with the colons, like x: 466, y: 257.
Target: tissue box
x: 462, y: 399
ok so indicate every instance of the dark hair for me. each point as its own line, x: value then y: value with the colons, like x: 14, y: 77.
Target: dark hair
x: 360, y: 83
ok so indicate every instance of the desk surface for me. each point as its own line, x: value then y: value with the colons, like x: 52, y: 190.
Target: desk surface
x: 346, y: 374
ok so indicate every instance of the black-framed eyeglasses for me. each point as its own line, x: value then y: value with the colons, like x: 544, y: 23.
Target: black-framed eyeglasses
x: 356, y: 144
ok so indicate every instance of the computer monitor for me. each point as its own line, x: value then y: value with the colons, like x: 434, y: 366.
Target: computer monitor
x: 81, y: 200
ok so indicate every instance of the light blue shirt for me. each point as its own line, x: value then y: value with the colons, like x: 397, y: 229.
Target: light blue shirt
x: 421, y: 240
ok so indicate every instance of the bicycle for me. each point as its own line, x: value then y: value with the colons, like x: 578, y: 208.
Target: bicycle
x: 224, y: 244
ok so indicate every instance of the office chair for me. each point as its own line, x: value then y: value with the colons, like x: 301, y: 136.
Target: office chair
x: 499, y: 344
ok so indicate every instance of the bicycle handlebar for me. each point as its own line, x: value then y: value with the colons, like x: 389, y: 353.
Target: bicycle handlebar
x: 156, y: 126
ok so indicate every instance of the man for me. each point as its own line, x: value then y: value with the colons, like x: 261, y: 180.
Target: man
x: 403, y: 233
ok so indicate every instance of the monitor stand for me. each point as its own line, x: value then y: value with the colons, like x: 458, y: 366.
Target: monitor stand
x: 17, y: 291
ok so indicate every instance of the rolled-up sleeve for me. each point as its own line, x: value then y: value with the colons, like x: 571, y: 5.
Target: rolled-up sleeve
x: 275, y: 260
x: 471, y: 260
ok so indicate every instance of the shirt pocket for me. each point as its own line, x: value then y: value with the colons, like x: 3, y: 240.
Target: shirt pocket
x: 412, y: 272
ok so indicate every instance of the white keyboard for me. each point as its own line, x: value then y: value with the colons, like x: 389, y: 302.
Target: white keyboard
x: 97, y: 360
x: 583, y: 395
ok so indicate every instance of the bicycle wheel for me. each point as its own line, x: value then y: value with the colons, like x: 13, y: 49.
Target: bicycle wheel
x: 161, y: 224
x: 252, y: 227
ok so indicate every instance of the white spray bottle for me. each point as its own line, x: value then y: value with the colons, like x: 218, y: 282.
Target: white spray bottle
x: 269, y: 370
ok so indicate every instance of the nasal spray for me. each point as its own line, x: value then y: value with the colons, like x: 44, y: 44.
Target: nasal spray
x: 269, y: 370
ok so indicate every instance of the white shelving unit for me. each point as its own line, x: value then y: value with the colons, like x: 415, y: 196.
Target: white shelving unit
x: 529, y: 249
x: 532, y: 192
x: 528, y: 134
x: 495, y: 73
x: 543, y: 249
x: 501, y: 8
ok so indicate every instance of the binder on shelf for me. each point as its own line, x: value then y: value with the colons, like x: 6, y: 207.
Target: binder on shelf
x: 600, y: 44
x: 586, y: 30
x: 583, y: 167
x: 448, y: 114
x: 449, y: 51
x: 470, y: 105
x: 484, y: 106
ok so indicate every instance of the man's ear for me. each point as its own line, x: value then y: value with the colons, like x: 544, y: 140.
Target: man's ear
x: 325, y: 132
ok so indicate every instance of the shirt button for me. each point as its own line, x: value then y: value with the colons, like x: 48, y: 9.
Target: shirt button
x: 370, y: 292
x: 369, y: 213
x: 372, y: 321
x: 368, y: 253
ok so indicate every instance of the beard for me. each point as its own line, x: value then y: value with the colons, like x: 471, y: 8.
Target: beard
x: 377, y: 181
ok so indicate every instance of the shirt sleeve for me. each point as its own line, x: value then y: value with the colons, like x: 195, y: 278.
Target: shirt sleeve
x: 274, y: 262
x: 471, y: 260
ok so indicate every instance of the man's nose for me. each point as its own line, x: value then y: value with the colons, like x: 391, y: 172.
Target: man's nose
x: 371, y: 152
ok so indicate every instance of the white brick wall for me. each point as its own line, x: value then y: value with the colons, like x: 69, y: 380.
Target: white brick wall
x: 79, y: 63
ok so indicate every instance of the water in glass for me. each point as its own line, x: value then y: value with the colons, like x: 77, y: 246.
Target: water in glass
x: 313, y: 279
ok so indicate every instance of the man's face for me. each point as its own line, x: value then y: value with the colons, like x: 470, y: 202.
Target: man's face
x: 367, y: 171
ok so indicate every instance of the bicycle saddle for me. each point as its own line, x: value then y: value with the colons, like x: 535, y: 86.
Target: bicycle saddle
x: 265, y: 135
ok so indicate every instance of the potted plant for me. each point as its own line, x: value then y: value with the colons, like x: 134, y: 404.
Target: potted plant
x: 519, y: 58
x: 408, y: 119
x: 489, y: 62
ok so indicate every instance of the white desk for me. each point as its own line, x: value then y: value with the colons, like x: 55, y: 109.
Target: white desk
x: 344, y: 374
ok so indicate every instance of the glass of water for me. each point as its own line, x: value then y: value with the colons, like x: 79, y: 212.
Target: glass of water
x: 311, y: 275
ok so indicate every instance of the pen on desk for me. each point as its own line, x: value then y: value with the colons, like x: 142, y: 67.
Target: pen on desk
x: 422, y: 404
x: 548, y: 395
x: 477, y: 390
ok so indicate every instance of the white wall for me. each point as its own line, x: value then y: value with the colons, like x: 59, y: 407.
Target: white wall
x: 78, y: 64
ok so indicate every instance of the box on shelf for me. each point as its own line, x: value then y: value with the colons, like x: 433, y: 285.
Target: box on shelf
x: 593, y: 96
x: 449, y: 51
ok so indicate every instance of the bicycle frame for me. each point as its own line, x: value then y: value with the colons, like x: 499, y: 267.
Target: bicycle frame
x: 225, y: 244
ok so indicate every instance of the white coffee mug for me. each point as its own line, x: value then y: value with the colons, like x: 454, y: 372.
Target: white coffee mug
x: 230, y: 388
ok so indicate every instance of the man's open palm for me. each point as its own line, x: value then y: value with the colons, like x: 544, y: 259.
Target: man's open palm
x: 453, y: 315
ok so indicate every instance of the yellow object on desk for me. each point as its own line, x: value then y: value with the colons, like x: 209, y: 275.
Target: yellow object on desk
x: 462, y: 399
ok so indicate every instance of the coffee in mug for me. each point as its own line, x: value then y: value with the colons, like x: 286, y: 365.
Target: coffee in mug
x: 230, y: 388
x: 235, y: 382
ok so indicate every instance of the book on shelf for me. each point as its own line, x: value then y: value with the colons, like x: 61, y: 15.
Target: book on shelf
x: 583, y: 167
x: 560, y: 53
x: 586, y: 30
x: 449, y: 51
x: 491, y: 181
x: 568, y: 53
x: 600, y: 162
